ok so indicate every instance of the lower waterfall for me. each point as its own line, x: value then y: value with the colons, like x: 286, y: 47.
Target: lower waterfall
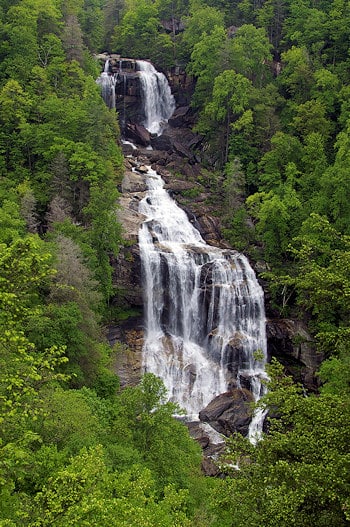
x: 204, y: 309
x: 158, y: 102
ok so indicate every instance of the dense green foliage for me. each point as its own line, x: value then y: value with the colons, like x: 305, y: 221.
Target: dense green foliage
x: 299, y: 474
x: 272, y: 104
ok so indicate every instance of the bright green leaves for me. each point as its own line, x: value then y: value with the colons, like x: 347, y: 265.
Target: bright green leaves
x: 228, y: 107
x: 205, y: 63
x: 86, y: 493
x: 94, y: 486
x: 84, y: 163
x: 298, y: 473
x: 335, y: 185
x: 142, y: 19
x: 14, y: 111
x: 323, y: 258
x: 164, y: 443
x: 25, y: 272
x: 14, y: 106
x: 320, y: 280
x: 27, y: 24
x: 250, y: 53
x: 296, y: 75
x: 226, y: 69
x: 12, y: 225
x: 202, y: 21
x: 230, y: 94
x: 25, y: 266
x: 276, y: 214
x: 68, y: 421
x: 285, y: 149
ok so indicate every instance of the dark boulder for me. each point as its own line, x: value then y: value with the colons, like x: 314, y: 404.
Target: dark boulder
x: 229, y: 412
x: 178, y: 119
x: 138, y: 134
x: 162, y: 142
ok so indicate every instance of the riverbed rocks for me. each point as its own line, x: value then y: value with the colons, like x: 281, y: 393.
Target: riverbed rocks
x: 213, y: 446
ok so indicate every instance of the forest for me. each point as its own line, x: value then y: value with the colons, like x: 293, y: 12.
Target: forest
x: 272, y: 103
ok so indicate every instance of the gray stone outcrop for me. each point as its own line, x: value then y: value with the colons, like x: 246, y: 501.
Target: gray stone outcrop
x: 289, y: 341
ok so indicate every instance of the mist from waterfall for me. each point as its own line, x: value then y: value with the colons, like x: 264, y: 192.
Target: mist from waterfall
x: 204, y: 309
x: 157, y: 99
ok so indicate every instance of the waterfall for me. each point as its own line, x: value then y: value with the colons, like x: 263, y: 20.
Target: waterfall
x: 158, y: 102
x: 204, y: 309
x: 107, y: 81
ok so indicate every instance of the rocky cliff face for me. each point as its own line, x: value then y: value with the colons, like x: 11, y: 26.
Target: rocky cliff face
x: 127, y: 88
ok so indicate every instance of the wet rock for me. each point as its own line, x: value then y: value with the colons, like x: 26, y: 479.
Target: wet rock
x: 209, y: 467
x: 198, y: 433
x: 129, y: 217
x: 212, y: 448
x: 182, y: 150
x: 177, y: 141
x: 163, y: 142
x: 142, y: 169
x: 229, y: 412
x: 128, y: 149
x: 126, y: 277
x: 209, y: 227
x: 138, y: 133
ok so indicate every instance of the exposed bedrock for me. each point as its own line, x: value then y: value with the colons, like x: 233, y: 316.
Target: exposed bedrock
x: 289, y: 341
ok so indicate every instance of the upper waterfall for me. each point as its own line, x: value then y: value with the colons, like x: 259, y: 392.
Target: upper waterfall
x: 158, y: 102
x: 204, y: 308
x: 107, y: 81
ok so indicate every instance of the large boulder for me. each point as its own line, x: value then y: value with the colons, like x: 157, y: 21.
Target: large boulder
x: 133, y: 182
x: 178, y: 119
x: 138, y: 134
x: 229, y: 412
x: 213, y: 446
x: 162, y: 142
x: 179, y: 141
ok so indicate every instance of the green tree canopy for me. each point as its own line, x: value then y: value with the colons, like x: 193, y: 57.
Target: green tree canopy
x: 298, y: 473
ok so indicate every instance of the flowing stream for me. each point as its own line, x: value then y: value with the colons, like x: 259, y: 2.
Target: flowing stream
x: 158, y: 102
x: 204, y: 309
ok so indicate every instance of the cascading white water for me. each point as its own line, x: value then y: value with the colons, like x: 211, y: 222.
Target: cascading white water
x: 107, y: 81
x: 158, y: 102
x: 204, y: 309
